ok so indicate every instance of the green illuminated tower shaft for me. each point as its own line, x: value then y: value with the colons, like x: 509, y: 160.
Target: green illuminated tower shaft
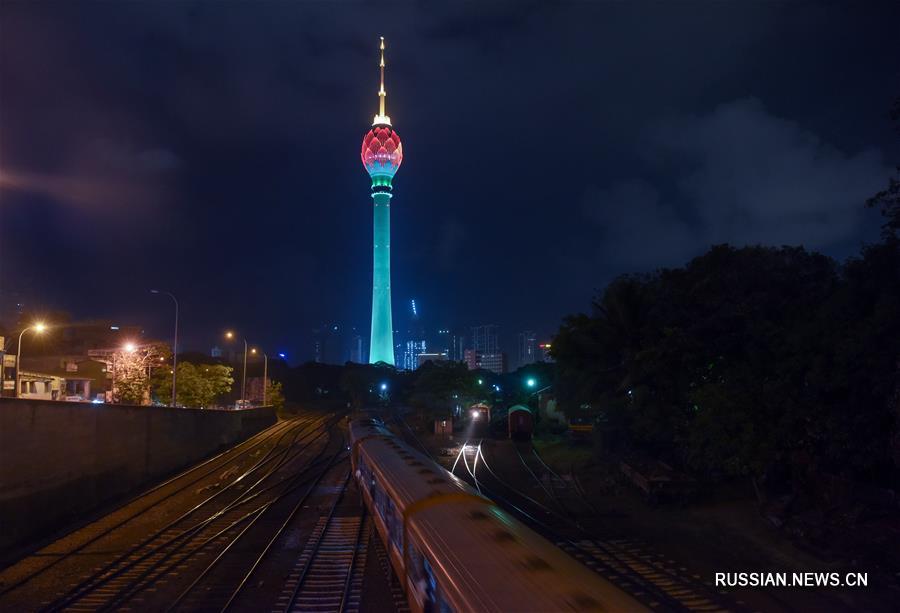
x: 382, y: 340
x: 381, y: 155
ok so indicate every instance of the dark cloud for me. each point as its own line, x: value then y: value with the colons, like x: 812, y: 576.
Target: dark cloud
x: 213, y: 148
x: 637, y: 230
x: 107, y: 184
x: 744, y: 176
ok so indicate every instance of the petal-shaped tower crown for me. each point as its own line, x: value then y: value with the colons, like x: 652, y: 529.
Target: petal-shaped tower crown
x: 382, y: 151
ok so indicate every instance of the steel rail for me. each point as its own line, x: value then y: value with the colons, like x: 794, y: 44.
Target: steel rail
x: 277, y: 535
x: 264, y: 437
x: 318, y: 542
x: 297, y: 506
x: 348, y: 582
x: 140, y: 582
x: 107, y: 573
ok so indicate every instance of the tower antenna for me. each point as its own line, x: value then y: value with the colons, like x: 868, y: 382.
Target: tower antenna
x: 381, y: 117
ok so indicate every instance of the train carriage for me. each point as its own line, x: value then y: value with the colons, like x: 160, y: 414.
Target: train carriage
x: 455, y: 550
x: 520, y: 422
x: 480, y: 412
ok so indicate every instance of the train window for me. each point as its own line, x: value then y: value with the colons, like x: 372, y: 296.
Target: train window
x: 366, y: 474
x: 393, y: 523
x: 430, y: 584
x: 380, y: 502
x: 442, y: 605
x: 415, y: 564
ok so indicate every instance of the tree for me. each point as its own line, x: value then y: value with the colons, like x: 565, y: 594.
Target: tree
x: 198, y: 384
x: 357, y: 381
x: 888, y: 199
x: 440, y: 385
x: 131, y: 367
x: 274, y: 395
x: 746, y: 357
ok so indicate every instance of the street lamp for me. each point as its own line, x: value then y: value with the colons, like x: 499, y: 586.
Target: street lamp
x: 174, y: 343
x: 531, y: 382
x: 265, y: 373
x: 39, y: 328
x: 230, y: 335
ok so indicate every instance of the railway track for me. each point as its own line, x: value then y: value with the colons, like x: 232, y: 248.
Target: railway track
x: 659, y: 583
x: 193, y: 544
x: 328, y: 575
x: 156, y: 497
x: 221, y: 584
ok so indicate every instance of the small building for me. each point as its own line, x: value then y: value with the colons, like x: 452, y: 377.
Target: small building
x: 41, y: 386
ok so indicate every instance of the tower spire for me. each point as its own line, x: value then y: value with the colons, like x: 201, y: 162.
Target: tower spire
x: 381, y: 117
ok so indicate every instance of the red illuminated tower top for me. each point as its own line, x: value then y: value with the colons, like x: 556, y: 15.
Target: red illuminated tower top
x: 382, y: 151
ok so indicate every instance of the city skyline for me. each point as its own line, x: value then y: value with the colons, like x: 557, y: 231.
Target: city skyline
x: 247, y: 164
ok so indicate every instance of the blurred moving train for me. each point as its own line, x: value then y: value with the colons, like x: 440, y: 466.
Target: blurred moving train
x: 455, y: 550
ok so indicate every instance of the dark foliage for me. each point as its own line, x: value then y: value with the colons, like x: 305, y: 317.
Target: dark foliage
x: 745, y: 357
x: 888, y: 199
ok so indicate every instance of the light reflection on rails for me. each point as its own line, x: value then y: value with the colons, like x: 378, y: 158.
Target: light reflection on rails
x: 160, y: 553
x: 182, y: 480
x: 656, y: 584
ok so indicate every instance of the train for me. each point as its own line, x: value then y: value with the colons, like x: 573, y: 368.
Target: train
x: 520, y: 422
x: 480, y: 412
x: 455, y: 550
x: 581, y: 428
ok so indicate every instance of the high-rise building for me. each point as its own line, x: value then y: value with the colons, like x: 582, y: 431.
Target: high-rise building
x: 357, y: 349
x: 494, y: 362
x: 411, y: 351
x: 333, y: 344
x: 486, y: 339
x: 451, y: 343
x: 544, y: 352
x: 527, y: 348
x: 381, y: 155
x: 457, y: 348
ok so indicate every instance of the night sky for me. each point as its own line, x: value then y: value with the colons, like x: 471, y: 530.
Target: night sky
x: 212, y: 149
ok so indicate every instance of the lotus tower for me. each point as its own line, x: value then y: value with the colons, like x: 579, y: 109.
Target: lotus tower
x: 382, y: 154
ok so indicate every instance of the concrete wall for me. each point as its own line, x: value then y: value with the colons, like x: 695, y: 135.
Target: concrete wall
x: 59, y: 460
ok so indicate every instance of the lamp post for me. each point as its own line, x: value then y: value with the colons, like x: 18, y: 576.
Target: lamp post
x: 230, y: 335
x: 39, y: 328
x: 265, y: 374
x: 174, y: 343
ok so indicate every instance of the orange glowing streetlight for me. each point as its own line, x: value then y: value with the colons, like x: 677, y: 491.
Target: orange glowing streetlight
x: 230, y: 335
x: 39, y: 328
